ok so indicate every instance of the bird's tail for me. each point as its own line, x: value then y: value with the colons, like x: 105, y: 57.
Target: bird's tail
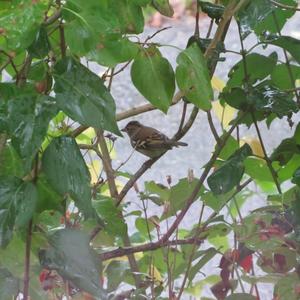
x: 176, y: 144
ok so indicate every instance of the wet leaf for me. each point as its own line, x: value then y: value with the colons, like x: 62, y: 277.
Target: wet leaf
x: 214, y: 11
x: 192, y: 77
x: 164, y: 7
x: 230, y: 173
x: 72, y: 257
x: 154, y: 77
x: 112, y: 50
x: 9, y: 285
x: 288, y: 43
x: 83, y: 96
x: 67, y: 173
x: 20, y: 23
x: 17, y: 205
x: 110, y: 215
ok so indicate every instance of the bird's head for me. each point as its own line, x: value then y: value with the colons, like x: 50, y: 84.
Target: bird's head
x: 132, y: 127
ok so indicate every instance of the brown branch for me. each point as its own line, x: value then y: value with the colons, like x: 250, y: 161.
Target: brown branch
x: 148, y: 247
x: 129, y: 113
x: 107, y: 165
x: 212, y: 127
x: 114, y: 193
x: 27, y: 261
x: 22, y: 75
x: 10, y: 61
x: 196, y: 190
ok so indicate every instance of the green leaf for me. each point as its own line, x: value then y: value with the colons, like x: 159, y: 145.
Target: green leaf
x: 229, y: 148
x: 237, y: 73
x: 281, y: 16
x: 129, y: 15
x: 28, y: 119
x: 115, y: 271
x: 164, y: 7
x: 274, y: 100
x: 285, y: 151
x: 230, y: 173
x: 214, y: 11
x: 206, y: 257
x: 240, y: 296
x: 11, y: 163
x: 87, y: 21
x: 48, y: 198
x: 110, y: 215
x: 288, y: 43
x: 72, y: 257
x: 21, y: 23
x: 257, y: 16
x: 17, y: 205
x: 112, y: 50
x: 174, y: 198
x: 280, y: 76
x: 41, y: 45
x: 9, y: 285
x: 287, y: 287
x: 296, y: 177
x: 142, y: 226
x: 154, y: 77
x: 193, y: 78
x: 26, y: 204
x: 82, y: 95
x: 66, y: 171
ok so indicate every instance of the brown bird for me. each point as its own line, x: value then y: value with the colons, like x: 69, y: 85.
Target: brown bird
x: 148, y: 140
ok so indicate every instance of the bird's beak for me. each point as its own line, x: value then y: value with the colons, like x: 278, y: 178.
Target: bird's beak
x: 124, y: 129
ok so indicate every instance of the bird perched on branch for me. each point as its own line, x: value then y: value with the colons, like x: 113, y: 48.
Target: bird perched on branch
x: 148, y: 140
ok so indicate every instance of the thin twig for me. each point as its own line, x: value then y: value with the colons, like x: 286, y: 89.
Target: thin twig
x: 189, y: 265
x: 284, y: 5
x: 194, y: 194
x: 267, y: 159
x: 10, y: 59
x: 129, y: 113
x: 148, y: 247
x: 212, y: 127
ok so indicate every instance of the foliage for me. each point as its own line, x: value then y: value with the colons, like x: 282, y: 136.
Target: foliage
x: 63, y: 215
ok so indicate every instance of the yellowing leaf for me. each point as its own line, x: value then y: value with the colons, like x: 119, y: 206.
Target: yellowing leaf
x: 155, y: 274
x: 86, y: 137
x: 95, y: 169
x: 217, y: 84
x: 254, y: 143
x: 224, y: 113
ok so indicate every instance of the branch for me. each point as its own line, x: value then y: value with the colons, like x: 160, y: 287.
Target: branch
x: 212, y: 127
x: 196, y: 190
x: 107, y: 165
x: 148, y: 247
x: 114, y: 193
x: 267, y: 159
x: 284, y: 5
x: 130, y: 113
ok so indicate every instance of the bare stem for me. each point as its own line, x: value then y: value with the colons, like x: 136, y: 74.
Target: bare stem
x: 267, y: 159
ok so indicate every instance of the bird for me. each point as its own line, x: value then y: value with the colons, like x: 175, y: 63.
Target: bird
x: 149, y: 141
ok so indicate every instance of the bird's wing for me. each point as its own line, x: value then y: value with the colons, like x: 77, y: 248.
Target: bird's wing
x: 150, y: 138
